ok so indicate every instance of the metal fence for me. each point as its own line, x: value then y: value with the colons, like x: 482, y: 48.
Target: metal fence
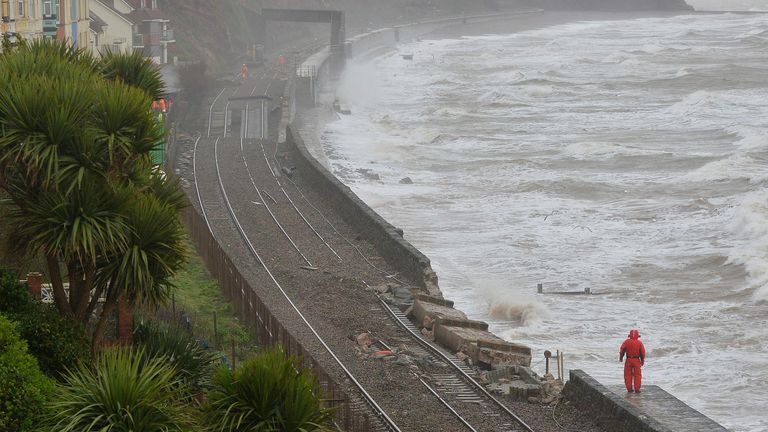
x: 268, y: 330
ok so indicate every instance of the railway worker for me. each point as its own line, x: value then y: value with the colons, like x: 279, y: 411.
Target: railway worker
x: 244, y: 72
x: 635, y: 351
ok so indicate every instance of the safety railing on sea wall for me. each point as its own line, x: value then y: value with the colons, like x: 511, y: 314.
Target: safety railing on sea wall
x: 268, y: 329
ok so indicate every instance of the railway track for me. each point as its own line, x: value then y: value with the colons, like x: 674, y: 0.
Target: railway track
x: 456, y: 390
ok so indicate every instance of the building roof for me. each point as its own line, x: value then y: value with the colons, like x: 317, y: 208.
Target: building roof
x: 109, y: 4
x: 97, y: 24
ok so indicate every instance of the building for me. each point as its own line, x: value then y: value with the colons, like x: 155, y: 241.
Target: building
x: 23, y: 18
x: 99, y: 25
x: 153, y: 32
x: 110, y: 28
x: 122, y: 25
x: 31, y: 19
x: 73, y: 22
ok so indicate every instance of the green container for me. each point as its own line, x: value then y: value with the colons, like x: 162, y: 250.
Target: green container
x: 158, y: 151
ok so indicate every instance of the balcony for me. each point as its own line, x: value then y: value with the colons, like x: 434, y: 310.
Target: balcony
x: 167, y: 36
x: 153, y: 39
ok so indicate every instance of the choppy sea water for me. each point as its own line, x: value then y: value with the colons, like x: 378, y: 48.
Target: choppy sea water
x: 628, y: 157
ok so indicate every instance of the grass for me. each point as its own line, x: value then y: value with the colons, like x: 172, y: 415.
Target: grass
x: 199, y: 297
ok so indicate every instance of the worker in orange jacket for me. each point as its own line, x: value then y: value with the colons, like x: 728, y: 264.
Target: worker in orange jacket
x: 635, y: 351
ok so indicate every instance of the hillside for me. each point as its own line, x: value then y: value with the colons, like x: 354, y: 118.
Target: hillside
x: 220, y: 31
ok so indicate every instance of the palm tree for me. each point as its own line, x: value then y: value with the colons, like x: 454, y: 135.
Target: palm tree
x: 75, y: 137
x: 125, y: 390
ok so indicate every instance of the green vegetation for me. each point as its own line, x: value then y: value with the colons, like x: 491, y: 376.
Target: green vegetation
x: 55, y: 341
x: 80, y: 193
x: 199, y: 297
x: 75, y: 164
x: 24, y: 387
x: 193, y: 364
x: 125, y: 390
x: 267, y: 393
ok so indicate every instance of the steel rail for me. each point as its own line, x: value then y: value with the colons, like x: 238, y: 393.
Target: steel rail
x: 433, y: 350
x: 197, y: 188
x: 266, y: 206
x: 309, y: 224
x: 210, y: 111
x: 447, y: 405
x: 346, y: 240
x: 279, y: 184
x: 381, y: 414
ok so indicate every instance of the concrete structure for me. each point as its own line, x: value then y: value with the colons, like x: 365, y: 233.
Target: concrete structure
x: 515, y: 382
x: 335, y: 18
x: 426, y: 310
x: 653, y: 410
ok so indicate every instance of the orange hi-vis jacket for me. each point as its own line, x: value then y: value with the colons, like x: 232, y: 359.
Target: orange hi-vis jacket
x: 633, y: 348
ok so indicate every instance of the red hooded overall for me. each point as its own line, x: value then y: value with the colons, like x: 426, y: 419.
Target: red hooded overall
x: 635, y: 352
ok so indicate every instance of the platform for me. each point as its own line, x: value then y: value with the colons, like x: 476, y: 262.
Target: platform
x: 669, y: 411
x: 653, y: 410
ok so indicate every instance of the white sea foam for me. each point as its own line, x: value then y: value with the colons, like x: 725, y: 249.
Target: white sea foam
x: 750, y: 224
x: 628, y: 157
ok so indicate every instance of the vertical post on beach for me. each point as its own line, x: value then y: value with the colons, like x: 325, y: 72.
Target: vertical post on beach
x: 540, y: 288
x: 558, y: 366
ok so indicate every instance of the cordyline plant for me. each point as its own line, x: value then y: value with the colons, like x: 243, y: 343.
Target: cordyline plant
x: 125, y: 390
x: 268, y: 393
x: 75, y: 137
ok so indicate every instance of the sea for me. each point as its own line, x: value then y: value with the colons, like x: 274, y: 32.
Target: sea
x: 625, y: 157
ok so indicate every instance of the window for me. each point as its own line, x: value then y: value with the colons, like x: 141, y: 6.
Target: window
x: 47, y: 8
x: 21, y: 8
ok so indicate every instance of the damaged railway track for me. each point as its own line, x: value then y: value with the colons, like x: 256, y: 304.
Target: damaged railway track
x: 442, y: 390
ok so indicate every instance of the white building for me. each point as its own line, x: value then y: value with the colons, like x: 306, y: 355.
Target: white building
x: 111, y: 29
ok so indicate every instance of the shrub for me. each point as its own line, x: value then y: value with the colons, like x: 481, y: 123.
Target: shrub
x: 13, y: 295
x: 24, y: 387
x: 124, y: 391
x: 267, y: 393
x: 55, y: 341
x: 192, y: 362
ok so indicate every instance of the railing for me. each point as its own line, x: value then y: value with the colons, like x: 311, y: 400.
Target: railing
x: 268, y: 330
x: 155, y: 38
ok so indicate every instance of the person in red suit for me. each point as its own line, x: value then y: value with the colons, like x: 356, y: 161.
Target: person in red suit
x: 635, y: 351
